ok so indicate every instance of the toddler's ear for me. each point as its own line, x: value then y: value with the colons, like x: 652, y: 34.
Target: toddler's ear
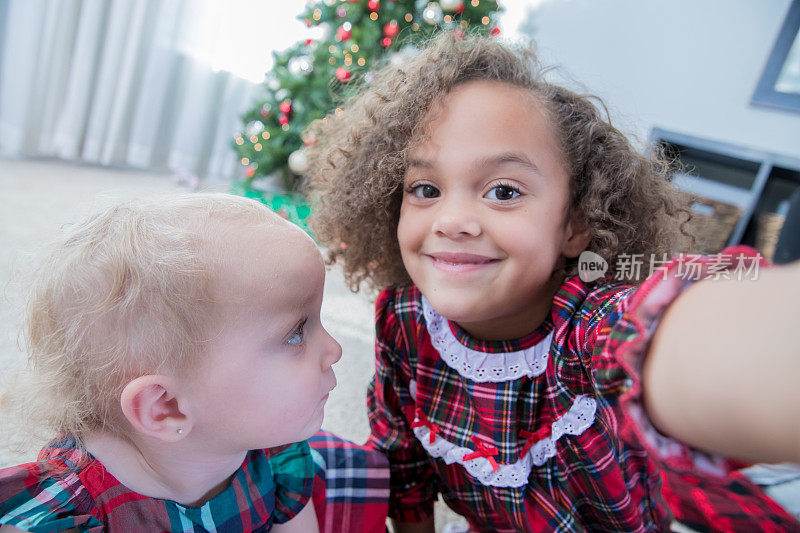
x: 577, y: 236
x: 150, y: 405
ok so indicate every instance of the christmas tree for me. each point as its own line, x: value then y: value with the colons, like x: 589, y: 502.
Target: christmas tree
x: 308, y: 78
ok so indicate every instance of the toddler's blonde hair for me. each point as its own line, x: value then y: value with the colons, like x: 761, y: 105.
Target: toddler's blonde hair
x: 125, y: 294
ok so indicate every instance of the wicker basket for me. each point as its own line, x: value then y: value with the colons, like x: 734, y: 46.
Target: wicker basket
x: 767, y: 232
x: 712, y: 223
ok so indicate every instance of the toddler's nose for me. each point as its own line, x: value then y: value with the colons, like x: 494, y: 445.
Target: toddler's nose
x: 333, y: 351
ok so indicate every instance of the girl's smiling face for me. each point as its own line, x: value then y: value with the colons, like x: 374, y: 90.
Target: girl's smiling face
x: 484, y: 225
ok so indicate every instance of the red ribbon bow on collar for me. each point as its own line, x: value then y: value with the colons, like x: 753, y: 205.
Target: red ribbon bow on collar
x: 483, y: 451
x: 540, y: 434
x: 422, y: 420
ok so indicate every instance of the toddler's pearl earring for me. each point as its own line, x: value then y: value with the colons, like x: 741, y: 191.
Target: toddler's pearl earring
x: 180, y: 431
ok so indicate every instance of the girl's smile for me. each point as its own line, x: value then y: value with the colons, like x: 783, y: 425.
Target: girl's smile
x: 457, y: 263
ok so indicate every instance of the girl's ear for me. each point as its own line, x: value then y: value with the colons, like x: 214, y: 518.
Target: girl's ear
x: 577, y: 235
x: 151, y: 406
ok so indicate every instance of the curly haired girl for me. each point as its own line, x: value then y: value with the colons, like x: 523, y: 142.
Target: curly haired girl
x: 470, y: 190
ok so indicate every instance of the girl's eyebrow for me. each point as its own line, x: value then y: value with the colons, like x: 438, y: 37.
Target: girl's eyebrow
x: 418, y: 163
x: 495, y: 160
x: 504, y: 158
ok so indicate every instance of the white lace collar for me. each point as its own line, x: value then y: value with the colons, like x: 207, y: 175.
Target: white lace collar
x: 480, y: 366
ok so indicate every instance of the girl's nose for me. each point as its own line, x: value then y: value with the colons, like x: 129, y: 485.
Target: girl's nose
x: 456, y: 220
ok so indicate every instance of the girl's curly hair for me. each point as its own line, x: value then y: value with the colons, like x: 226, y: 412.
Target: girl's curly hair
x: 358, y: 163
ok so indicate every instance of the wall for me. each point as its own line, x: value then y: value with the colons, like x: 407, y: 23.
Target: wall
x: 683, y: 65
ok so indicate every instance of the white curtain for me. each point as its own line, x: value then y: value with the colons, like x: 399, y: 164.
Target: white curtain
x: 116, y: 82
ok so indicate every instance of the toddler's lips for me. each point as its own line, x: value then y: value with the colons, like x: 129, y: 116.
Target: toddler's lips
x: 325, y: 398
x: 460, y: 262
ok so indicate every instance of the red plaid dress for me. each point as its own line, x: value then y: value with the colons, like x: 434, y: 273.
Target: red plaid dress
x: 545, y: 433
x: 69, y: 489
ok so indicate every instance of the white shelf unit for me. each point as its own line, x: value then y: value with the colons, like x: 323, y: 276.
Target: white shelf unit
x: 755, y: 181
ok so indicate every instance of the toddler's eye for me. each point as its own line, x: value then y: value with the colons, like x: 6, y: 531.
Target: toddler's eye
x: 296, y: 337
x: 502, y: 192
x: 424, y: 190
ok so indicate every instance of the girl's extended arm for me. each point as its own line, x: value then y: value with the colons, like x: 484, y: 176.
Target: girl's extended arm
x: 723, y: 370
x: 304, y: 522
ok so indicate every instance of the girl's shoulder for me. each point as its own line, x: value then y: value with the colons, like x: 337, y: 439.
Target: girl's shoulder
x: 401, y: 303
x: 585, y: 305
x: 49, y: 494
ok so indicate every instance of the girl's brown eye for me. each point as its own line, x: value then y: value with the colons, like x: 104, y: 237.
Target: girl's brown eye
x: 502, y: 192
x: 429, y: 191
x: 424, y: 191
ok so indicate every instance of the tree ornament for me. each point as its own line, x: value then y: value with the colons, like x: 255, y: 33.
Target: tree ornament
x: 286, y: 106
x: 433, y: 14
x: 451, y: 5
x: 330, y: 3
x: 283, y: 120
x: 342, y: 74
x: 494, y: 32
x: 373, y: 5
x: 386, y: 42
x: 298, y: 162
x: 344, y: 32
x: 391, y: 29
x: 301, y: 65
x: 341, y: 12
x: 250, y: 171
x: 254, y: 128
x: 265, y: 110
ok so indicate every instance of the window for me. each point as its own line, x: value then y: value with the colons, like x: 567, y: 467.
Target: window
x: 779, y: 85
